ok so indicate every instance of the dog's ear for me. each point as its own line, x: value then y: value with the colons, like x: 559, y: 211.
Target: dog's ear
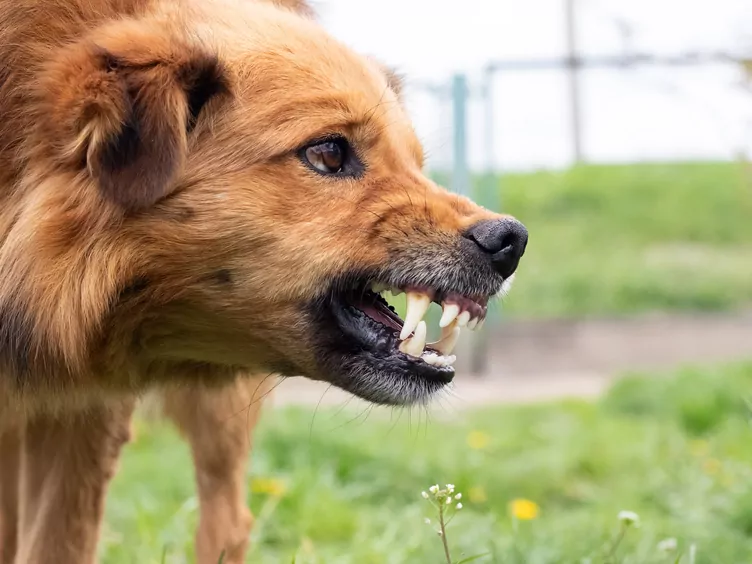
x: 137, y: 154
x: 121, y: 106
x: 300, y: 7
x: 394, y: 79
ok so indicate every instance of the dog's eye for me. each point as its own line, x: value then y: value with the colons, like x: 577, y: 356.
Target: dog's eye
x: 328, y: 157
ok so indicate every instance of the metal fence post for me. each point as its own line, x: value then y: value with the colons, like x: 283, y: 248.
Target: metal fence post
x: 461, y: 184
x: 460, y: 174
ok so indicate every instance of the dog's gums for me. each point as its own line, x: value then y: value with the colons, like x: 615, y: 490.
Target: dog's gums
x: 410, y: 335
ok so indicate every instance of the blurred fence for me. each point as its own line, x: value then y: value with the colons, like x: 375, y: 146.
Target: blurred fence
x: 453, y: 97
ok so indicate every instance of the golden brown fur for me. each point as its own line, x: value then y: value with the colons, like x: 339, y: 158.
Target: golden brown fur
x: 158, y: 227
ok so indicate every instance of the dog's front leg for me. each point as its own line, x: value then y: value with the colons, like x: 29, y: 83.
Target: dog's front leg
x: 218, y: 423
x: 10, y: 459
x: 66, y: 465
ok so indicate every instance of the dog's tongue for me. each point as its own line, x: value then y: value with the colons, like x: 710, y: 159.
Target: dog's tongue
x: 381, y: 313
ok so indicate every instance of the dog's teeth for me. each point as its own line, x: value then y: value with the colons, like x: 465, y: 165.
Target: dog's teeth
x: 450, y: 313
x: 463, y: 319
x: 378, y: 287
x: 438, y: 360
x: 419, y: 338
x: 404, y: 347
x: 417, y: 306
x: 473, y: 323
x: 432, y: 358
x: 480, y: 324
x: 449, y: 338
x: 414, y: 345
x: 395, y: 291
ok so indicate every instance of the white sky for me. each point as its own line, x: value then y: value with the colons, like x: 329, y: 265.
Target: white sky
x: 647, y: 113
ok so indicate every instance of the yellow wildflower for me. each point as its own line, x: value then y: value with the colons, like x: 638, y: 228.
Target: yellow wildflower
x: 477, y: 440
x: 524, y: 509
x: 269, y: 486
x: 477, y: 494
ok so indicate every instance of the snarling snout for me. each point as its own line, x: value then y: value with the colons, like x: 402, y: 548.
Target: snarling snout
x: 370, y: 351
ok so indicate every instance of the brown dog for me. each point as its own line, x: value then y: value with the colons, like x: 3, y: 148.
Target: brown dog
x: 190, y: 190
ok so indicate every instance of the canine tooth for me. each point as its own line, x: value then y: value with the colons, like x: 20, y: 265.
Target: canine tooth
x: 450, y: 313
x: 421, y: 332
x: 449, y: 338
x: 473, y: 323
x: 417, y: 306
x: 407, y: 348
x: 480, y: 324
x: 463, y: 318
x: 414, y: 345
x: 450, y: 360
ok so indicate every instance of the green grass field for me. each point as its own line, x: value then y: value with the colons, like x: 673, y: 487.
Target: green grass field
x: 340, y: 487
x: 335, y: 488
x: 619, y: 239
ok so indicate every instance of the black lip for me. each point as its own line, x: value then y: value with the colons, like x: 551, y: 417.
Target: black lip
x: 366, y: 334
x: 360, y: 356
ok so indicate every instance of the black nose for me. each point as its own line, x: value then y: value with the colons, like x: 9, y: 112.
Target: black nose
x: 503, y: 239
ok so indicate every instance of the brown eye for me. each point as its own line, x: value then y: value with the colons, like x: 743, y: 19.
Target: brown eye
x: 327, y: 157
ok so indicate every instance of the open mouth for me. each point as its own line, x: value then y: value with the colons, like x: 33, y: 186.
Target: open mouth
x: 387, y: 352
x: 409, y: 335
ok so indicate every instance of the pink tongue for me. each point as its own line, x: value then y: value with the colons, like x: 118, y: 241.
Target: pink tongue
x: 374, y: 312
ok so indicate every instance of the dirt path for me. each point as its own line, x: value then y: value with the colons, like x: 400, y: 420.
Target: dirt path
x: 539, y: 360
x: 466, y: 392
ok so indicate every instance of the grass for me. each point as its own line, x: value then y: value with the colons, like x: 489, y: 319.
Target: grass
x: 332, y: 489
x: 608, y: 240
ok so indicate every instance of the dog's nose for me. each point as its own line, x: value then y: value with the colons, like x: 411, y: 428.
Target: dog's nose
x: 504, y: 240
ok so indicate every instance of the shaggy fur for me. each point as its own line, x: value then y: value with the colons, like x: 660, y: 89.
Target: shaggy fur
x: 159, y: 229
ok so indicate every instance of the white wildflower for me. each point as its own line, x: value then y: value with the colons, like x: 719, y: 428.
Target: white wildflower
x: 459, y: 506
x: 424, y: 494
x: 433, y: 489
x: 458, y: 496
x: 427, y: 521
x: 629, y: 518
x: 450, y: 488
x: 668, y: 545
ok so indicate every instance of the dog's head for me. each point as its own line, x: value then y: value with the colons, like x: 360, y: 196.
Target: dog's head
x: 230, y: 186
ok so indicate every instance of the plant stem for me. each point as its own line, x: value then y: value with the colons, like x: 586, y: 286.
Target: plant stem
x: 443, y: 534
x: 622, y: 533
